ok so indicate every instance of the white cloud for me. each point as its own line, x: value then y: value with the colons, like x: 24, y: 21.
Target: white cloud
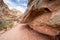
x: 10, y: 3
x: 14, y: 5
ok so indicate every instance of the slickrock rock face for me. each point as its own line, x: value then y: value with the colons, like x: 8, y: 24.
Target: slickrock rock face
x: 7, y: 15
x: 16, y: 13
x: 43, y: 16
x: 42, y: 6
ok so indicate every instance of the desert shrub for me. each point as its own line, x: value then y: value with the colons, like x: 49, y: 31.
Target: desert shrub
x: 6, y: 24
x: 10, y: 23
x: 2, y: 25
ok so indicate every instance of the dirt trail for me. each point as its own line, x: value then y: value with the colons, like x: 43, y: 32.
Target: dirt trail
x: 20, y: 32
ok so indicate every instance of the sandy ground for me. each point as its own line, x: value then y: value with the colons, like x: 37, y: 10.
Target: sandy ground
x: 21, y: 32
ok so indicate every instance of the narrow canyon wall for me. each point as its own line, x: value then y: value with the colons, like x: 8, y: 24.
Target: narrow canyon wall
x: 38, y: 7
x: 43, y: 16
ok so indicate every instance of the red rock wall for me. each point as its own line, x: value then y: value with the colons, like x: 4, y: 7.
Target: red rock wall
x: 43, y: 16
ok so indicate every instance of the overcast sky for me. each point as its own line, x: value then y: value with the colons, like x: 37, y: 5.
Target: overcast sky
x: 18, y: 4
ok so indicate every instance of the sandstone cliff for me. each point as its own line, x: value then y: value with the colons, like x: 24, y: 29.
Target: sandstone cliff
x: 7, y: 16
x: 43, y: 16
x: 35, y: 8
x: 6, y: 12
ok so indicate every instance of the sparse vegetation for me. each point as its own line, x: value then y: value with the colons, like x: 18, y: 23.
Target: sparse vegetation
x: 6, y: 24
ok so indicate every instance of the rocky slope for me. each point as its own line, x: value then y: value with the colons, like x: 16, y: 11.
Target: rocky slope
x: 16, y: 13
x: 6, y: 12
x: 7, y: 15
x: 3, y: 10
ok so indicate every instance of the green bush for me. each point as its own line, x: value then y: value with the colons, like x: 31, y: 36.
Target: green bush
x: 2, y: 25
x: 10, y: 23
x: 5, y: 24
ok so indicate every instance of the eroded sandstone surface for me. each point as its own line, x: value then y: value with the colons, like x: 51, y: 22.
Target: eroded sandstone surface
x: 8, y: 16
x: 43, y: 16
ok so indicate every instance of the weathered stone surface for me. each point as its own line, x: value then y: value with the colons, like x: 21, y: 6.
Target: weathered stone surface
x: 37, y: 7
x: 43, y: 16
x: 7, y: 15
